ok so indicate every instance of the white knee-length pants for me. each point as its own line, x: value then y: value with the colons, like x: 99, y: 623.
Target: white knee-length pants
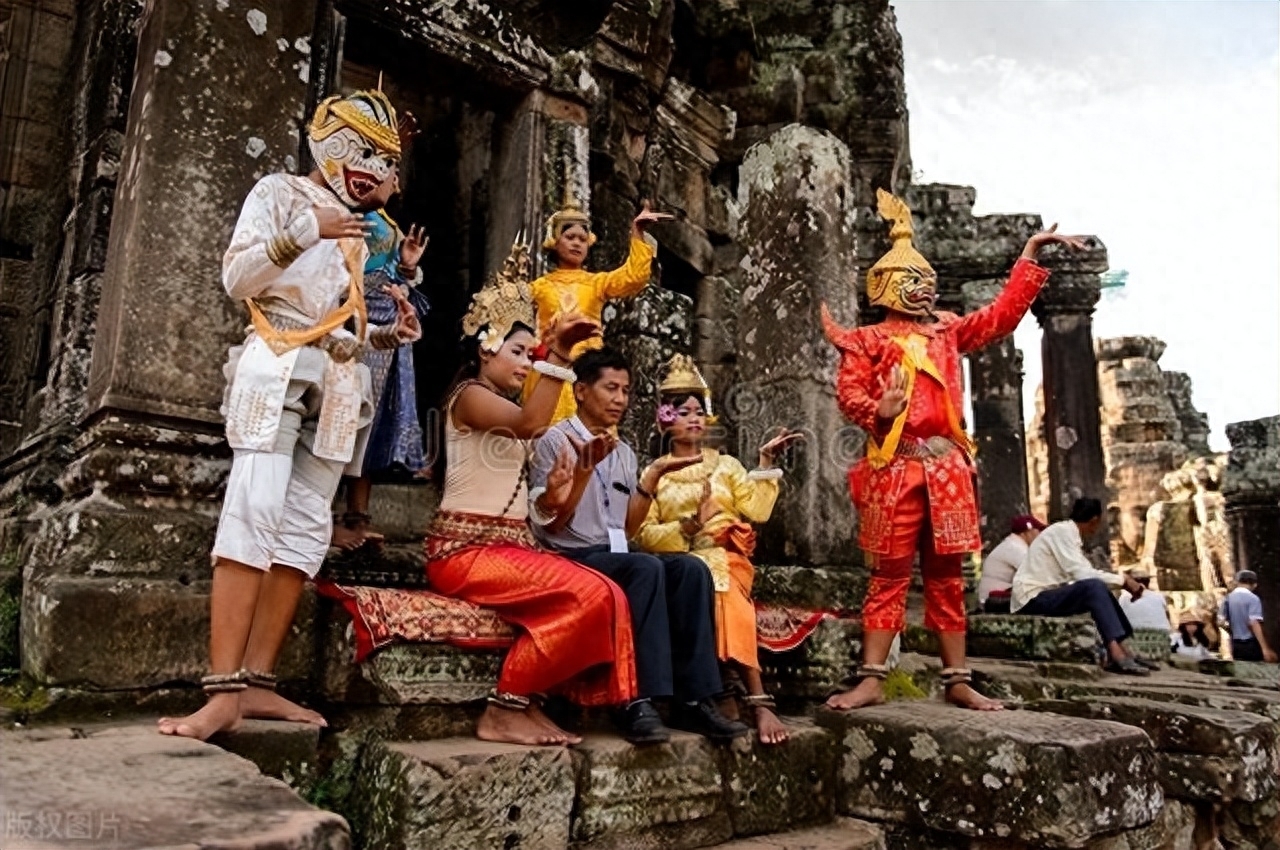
x: 277, y: 508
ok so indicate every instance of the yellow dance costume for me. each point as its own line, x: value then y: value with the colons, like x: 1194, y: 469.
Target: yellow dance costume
x: 583, y: 292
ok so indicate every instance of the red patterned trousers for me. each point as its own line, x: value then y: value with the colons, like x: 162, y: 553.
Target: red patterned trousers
x: 885, y: 608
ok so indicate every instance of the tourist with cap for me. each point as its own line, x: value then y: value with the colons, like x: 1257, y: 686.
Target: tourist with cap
x: 1057, y: 580
x: 995, y: 588
x: 1242, y: 610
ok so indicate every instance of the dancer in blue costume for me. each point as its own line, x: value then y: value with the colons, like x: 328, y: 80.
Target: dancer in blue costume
x: 395, y: 437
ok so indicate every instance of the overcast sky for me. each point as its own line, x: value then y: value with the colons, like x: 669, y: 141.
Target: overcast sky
x: 1151, y: 124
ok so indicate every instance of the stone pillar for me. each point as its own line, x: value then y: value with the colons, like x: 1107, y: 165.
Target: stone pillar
x: 1072, y: 423
x: 218, y: 103
x: 995, y: 381
x: 797, y: 228
x: 1251, y: 487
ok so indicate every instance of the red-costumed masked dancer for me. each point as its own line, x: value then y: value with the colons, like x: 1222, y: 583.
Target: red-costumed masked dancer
x: 901, y: 381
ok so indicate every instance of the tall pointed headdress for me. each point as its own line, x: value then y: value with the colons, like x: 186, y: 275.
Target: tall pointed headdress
x: 902, y: 279
x: 567, y: 216
x: 506, y: 300
x: 683, y: 376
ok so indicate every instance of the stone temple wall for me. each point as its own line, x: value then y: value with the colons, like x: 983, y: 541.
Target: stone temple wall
x: 738, y: 117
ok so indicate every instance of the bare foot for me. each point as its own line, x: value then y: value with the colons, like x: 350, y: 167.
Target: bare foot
x: 966, y: 697
x: 347, y: 538
x: 870, y: 691
x: 769, y: 728
x: 220, y: 714
x: 547, y: 723
x: 269, y: 705
x: 515, y: 727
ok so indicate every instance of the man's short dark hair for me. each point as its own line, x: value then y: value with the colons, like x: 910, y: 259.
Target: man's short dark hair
x: 591, y: 365
x: 1086, y: 510
x: 1248, y: 577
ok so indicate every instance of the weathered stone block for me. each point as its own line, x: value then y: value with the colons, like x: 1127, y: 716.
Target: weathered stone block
x: 141, y: 790
x: 777, y: 788
x: 404, y: 673
x: 461, y: 792
x: 1018, y: 636
x: 637, y: 798
x: 810, y: 587
x: 818, y: 666
x: 145, y: 633
x: 1045, y: 780
x: 1204, y: 754
x: 843, y: 834
x: 279, y: 748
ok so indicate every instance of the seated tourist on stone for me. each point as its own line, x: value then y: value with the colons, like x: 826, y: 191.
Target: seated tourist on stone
x: 587, y: 502
x: 707, y: 510
x: 1057, y: 580
x: 1242, y: 610
x: 574, y: 635
x: 1148, y: 610
x: 995, y: 588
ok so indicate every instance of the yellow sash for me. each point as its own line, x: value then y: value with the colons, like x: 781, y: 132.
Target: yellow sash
x: 915, y: 358
x: 282, y: 341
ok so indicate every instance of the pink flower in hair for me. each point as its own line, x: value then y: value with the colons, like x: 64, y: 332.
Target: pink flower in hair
x: 667, y: 415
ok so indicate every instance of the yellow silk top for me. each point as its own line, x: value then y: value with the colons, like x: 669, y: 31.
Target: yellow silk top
x: 586, y: 292
x: 740, y: 495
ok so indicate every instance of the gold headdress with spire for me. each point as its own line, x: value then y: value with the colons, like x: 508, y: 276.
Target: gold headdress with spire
x: 902, y: 279
x: 504, y: 301
x: 567, y: 216
x: 683, y: 376
x: 369, y: 113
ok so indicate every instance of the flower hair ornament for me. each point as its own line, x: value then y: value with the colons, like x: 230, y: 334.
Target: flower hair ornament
x: 505, y: 301
x: 666, y: 416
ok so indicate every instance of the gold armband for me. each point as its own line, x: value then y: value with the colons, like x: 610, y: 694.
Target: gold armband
x: 283, y: 250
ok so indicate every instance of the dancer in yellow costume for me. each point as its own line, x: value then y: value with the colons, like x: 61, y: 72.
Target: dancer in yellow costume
x: 573, y: 289
x: 707, y: 509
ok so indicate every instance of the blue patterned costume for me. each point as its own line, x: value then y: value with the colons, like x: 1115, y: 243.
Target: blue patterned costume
x: 395, y: 438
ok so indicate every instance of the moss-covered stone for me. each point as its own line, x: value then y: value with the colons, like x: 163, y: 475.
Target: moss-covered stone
x: 775, y: 788
x: 820, y: 665
x: 839, y: 591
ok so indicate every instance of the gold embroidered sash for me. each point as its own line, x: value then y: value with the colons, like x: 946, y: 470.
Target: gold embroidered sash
x: 915, y: 359
x: 281, y: 341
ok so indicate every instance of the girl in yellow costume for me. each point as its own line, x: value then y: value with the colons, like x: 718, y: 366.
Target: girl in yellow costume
x: 572, y: 289
x: 706, y: 509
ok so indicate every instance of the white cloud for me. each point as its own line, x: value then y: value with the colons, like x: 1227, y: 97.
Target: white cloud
x: 1152, y: 125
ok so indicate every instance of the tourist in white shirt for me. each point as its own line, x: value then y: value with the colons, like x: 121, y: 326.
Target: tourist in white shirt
x: 998, y: 567
x: 1057, y: 580
x: 1242, y: 611
x: 1147, y: 611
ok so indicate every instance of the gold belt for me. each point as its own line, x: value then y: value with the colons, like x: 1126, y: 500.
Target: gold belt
x: 931, y: 447
x: 341, y: 349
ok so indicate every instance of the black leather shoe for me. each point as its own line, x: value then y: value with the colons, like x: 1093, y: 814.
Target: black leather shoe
x: 1128, y: 666
x: 706, y: 720
x: 641, y: 724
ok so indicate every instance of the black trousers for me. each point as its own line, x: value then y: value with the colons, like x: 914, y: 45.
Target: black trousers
x: 1246, y: 650
x: 1090, y: 596
x: 671, y: 599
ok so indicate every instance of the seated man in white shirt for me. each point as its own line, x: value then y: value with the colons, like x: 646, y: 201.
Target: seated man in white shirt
x: 1057, y: 580
x: 1147, y: 611
x: 996, y: 584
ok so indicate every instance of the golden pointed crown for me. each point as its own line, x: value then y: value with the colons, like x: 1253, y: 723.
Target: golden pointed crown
x: 369, y: 113
x: 569, y: 214
x: 504, y: 301
x: 683, y: 376
x: 902, y: 257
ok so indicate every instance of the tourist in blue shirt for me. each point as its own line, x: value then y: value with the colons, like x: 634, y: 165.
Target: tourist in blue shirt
x: 1243, y: 610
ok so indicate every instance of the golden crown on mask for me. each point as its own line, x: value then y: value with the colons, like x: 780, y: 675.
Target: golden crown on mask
x: 901, y: 263
x: 567, y: 216
x: 683, y: 376
x: 505, y: 301
x: 335, y: 112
